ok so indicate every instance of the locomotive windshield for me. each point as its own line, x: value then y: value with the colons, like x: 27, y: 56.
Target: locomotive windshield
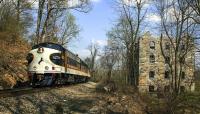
x: 56, y: 58
x: 49, y: 45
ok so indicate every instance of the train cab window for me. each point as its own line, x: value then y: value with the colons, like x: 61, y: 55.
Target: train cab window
x: 56, y: 58
x: 29, y: 58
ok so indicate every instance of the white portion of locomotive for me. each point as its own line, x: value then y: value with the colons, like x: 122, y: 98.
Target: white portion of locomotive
x: 41, y: 62
x: 50, y: 64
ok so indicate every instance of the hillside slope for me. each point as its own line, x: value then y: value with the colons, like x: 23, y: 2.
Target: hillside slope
x: 13, y: 52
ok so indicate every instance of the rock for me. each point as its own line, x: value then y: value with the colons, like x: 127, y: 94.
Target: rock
x: 21, y: 76
x: 94, y: 110
x: 101, y: 102
x: 117, y: 108
x: 110, y: 87
x: 13, y: 75
x: 112, y: 100
x: 123, y: 98
x: 8, y: 81
x: 107, y: 89
x: 109, y: 107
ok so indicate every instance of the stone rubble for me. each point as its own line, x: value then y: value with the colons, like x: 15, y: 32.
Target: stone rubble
x: 72, y: 99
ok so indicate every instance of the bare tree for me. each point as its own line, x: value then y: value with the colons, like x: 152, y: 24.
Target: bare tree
x: 49, y: 12
x: 41, y: 4
x: 195, y: 5
x: 178, y: 30
x: 109, y: 59
x: 94, y: 50
x: 15, y: 17
x: 70, y: 29
x: 127, y: 30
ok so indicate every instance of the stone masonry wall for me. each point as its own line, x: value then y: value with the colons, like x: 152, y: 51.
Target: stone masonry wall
x: 159, y: 66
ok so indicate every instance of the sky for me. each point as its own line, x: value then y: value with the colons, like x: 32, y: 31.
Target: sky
x: 94, y: 26
x: 96, y: 23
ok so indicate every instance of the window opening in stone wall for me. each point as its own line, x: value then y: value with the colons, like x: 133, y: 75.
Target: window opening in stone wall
x: 167, y: 60
x: 182, y: 46
x: 151, y: 88
x: 152, y: 58
x: 142, y: 70
x: 167, y: 46
x: 182, y: 89
x: 183, y: 75
x: 166, y: 74
x: 151, y: 74
x: 152, y: 45
x: 166, y: 88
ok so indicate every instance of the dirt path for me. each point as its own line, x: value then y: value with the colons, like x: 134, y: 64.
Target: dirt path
x: 75, y: 99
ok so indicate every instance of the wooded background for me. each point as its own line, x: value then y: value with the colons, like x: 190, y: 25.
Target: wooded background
x: 117, y: 62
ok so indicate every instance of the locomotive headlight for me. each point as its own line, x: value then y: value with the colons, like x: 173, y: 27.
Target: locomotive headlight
x: 46, y: 68
x: 40, y: 50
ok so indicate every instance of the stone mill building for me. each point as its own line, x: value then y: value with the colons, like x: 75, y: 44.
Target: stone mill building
x: 153, y: 68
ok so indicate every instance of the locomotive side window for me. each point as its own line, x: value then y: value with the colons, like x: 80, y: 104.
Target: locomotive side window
x: 84, y: 67
x: 56, y: 58
x: 72, y: 62
x: 29, y: 58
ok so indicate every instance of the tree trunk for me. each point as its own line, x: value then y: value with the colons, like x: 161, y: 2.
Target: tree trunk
x: 39, y: 17
x: 109, y: 73
x: 18, y: 17
x: 130, y: 68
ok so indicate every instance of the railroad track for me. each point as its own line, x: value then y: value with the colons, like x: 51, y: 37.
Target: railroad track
x: 29, y: 90
x: 22, y: 91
